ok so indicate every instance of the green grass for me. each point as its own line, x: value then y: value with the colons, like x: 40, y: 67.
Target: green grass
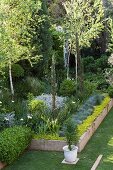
x: 101, y: 143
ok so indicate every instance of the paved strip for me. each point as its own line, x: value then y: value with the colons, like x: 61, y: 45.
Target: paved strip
x: 95, y: 165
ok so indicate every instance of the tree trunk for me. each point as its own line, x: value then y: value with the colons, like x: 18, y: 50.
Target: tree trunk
x: 103, y: 37
x: 53, y: 84
x: 76, y: 69
x: 11, y: 81
x: 79, y: 64
x: 68, y: 66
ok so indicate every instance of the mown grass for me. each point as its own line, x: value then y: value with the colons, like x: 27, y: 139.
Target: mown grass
x: 101, y: 143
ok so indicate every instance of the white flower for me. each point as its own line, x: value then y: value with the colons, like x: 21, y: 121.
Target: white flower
x: 21, y: 119
x: 73, y: 102
x: 29, y: 117
x: 59, y: 28
x: 13, y: 101
x: 0, y: 102
x: 6, y: 119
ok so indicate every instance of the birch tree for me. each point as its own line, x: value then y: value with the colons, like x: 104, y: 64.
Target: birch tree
x: 83, y: 22
x: 15, y: 16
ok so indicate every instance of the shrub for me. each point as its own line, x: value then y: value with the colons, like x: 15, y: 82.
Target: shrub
x: 89, y: 64
x: 13, y: 142
x: 37, y: 106
x: 36, y: 86
x: 63, y: 114
x: 71, y: 106
x: 89, y: 88
x: 22, y: 88
x: 17, y: 70
x: 70, y: 133
x: 68, y: 88
x: 110, y: 91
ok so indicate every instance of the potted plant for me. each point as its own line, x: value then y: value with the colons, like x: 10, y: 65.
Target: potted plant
x: 70, y: 150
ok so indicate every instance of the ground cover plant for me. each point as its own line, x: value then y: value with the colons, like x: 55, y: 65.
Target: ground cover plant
x: 100, y: 143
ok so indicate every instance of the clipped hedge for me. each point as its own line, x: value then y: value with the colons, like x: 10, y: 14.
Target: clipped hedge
x: 81, y: 128
x: 13, y: 142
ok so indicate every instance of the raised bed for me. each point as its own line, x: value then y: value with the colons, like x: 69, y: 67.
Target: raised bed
x: 2, y: 165
x: 57, y: 145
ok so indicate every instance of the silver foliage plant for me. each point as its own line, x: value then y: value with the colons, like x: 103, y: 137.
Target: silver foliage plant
x: 47, y: 98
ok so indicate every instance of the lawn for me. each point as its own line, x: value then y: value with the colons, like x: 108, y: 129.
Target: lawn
x: 101, y: 143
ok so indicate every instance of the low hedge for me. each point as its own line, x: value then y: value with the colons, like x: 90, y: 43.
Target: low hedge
x: 48, y: 137
x: 81, y: 128
x: 13, y: 142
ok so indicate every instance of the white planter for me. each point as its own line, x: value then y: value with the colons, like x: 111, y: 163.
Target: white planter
x: 70, y: 156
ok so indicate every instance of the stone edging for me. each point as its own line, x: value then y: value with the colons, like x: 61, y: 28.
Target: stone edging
x: 57, y: 145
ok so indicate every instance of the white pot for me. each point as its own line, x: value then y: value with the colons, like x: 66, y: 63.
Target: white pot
x: 70, y: 156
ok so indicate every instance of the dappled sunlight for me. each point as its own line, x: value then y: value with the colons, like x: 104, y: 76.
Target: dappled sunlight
x: 109, y: 159
x: 110, y: 142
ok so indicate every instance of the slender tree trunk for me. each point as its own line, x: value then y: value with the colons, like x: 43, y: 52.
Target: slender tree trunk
x: 79, y: 64
x: 76, y: 68
x: 11, y: 81
x: 68, y: 57
x: 53, y: 84
x: 104, y: 36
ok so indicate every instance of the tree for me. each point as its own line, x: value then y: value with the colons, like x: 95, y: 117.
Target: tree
x: 45, y: 37
x: 15, y: 37
x: 53, y: 83
x: 83, y: 23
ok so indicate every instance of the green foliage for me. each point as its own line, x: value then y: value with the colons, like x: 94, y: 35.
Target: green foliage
x: 29, y: 85
x: 86, y: 23
x: 68, y: 88
x: 81, y: 128
x: 110, y: 29
x: 89, y: 64
x: 63, y: 115
x: 37, y: 106
x: 44, y: 36
x: 86, y: 109
x: 110, y: 91
x: 48, y: 126
x: 13, y: 142
x: 48, y: 137
x: 99, y: 80
x: 95, y: 65
x: 70, y: 133
x: 89, y: 88
x: 15, y: 37
x: 36, y: 86
x: 6, y: 101
x: 71, y: 107
x: 22, y: 88
x: 17, y: 71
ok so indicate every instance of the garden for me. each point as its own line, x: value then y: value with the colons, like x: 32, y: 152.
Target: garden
x: 56, y: 80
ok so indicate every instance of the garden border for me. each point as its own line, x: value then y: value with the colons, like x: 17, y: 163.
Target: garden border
x: 57, y: 145
x: 2, y: 165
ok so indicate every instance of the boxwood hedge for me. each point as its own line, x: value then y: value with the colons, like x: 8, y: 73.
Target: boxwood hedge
x: 13, y: 142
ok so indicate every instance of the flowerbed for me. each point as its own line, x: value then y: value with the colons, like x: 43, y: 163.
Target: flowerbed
x: 85, y: 130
